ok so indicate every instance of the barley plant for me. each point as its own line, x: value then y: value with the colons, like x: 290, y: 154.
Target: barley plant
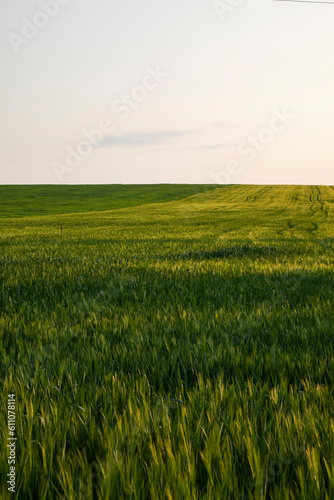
x: 169, y: 345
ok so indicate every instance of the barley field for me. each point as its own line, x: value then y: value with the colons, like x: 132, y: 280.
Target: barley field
x: 168, y: 344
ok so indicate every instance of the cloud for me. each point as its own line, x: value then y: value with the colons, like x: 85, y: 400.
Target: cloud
x: 137, y: 139
x: 158, y: 138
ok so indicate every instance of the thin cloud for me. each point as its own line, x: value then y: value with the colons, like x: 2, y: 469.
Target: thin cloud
x: 165, y: 137
x: 137, y: 139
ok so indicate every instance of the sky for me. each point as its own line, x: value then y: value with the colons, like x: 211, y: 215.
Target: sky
x: 188, y: 91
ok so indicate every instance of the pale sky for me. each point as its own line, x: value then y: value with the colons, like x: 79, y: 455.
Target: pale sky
x: 187, y: 91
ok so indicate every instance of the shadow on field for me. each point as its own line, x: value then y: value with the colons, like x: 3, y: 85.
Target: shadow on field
x: 173, y: 325
x: 240, y: 251
x: 119, y: 286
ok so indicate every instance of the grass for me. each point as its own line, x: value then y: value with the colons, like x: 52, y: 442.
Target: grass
x: 179, y: 350
x: 47, y: 200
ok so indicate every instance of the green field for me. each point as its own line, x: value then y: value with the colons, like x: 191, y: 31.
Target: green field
x: 172, y: 349
x: 48, y: 200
